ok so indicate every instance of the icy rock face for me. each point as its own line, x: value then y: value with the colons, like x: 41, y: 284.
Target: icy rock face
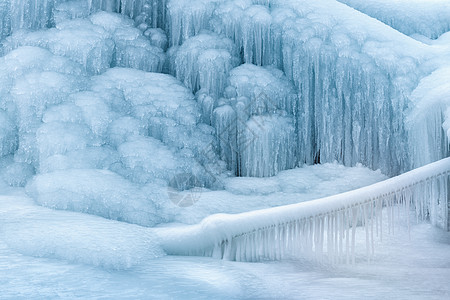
x: 123, y: 128
x: 33, y: 81
x: 353, y: 87
x: 33, y: 14
x: 70, y: 10
x: 429, y: 119
x: 321, y: 82
x: 5, y: 23
x: 122, y: 108
x: 250, y: 27
x: 267, y: 146
x: 266, y: 143
x: 267, y: 89
x: 105, y: 40
x: 8, y: 135
x: 132, y: 49
x: 204, y: 62
x: 30, y: 14
x: 152, y: 12
x: 93, y: 47
x: 157, y: 37
x: 186, y: 18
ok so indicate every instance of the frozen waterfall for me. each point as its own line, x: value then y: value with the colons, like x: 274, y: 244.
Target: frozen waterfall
x: 138, y: 92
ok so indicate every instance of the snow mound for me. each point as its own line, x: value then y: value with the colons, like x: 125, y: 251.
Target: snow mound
x: 97, y: 192
x: 77, y: 238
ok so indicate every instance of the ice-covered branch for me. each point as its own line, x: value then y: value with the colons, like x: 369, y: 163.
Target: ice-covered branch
x: 324, y: 228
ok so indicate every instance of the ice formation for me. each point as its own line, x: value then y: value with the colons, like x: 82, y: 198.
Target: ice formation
x: 255, y: 124
x: 89, y: 122
x: 326, y: 55
x: 326, y: 52
x: 204, y: 62
x: 322, y: 229
x: 123, y: 127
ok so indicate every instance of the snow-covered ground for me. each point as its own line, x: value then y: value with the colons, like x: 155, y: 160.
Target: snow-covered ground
x: 402, y: 269
x: 52, y: 254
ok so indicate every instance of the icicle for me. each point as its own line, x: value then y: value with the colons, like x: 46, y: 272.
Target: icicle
x: 366, y: 228
x: 342, y: 227
x: 348, y: 217
x: 355, y: 210
x: 407, y: 197
x: 336, y: 236
x: 372, y: 216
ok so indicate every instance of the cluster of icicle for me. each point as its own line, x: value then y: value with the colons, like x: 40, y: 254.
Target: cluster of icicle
x: 353, y: 76
x: 36, y: 14
x: 353, y: 87
x: 323, y: 229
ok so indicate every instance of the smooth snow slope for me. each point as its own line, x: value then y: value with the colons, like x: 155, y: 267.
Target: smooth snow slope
x: 430, y: 18
x: 401, y: 269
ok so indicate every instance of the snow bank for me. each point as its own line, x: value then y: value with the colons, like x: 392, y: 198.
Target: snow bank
x: 77, y: 238
x: 97, y: 192
x: 428, y: 18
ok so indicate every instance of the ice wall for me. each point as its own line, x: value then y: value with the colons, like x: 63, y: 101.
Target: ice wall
x: 250, y: 27
x: 103, y: 41
x: 204, y: 62
x: 429, y: 119
x: 126, y: 128
x: 36, y: 14
x: 320, y: 82
x: 265, y: 146
x: 255, y: 124
x: 353, y: 87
